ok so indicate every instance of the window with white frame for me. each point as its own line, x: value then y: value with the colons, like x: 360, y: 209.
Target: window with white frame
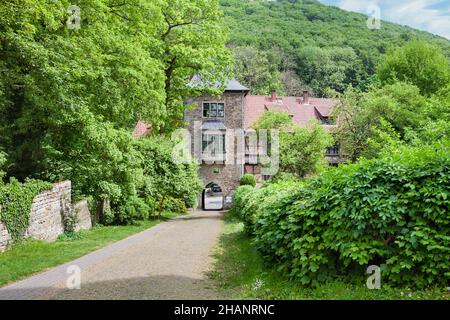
x: 213, y: 144
x: 213, y: 110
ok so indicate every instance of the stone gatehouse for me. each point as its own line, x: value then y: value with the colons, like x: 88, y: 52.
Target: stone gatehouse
x: 223, y: 154
x: 212, y: 126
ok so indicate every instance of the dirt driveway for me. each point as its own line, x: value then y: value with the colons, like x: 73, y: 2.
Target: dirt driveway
x: 168, y: 261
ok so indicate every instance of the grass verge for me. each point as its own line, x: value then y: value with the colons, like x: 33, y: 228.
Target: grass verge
x: 240, y: 273
x: 31, y: 256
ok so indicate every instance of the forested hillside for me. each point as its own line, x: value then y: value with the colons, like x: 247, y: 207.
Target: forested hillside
x: 294, y: 44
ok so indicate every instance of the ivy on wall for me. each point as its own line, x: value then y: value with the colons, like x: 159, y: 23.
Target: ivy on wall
x: 16, y: 200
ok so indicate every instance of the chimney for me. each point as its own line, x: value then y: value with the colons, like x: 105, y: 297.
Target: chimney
x: 305, y: 97
x: 274, y: 95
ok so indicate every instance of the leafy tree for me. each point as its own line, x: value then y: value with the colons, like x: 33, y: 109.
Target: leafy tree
x: 69, y: 98
x: 293, y: 84
x: 56, y: 80
x: 193, y: 36
x: 400, y: 105
x: 255, y: 70
x: 417, y: 63
x: 165, y: 178
x: 333, y: 68
x: 274, y: 120
x: 302, y: 151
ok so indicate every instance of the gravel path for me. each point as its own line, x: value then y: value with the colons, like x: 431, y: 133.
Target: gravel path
x: 168, y: 261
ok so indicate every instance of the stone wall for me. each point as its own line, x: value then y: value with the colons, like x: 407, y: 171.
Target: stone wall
x: 81, y: 209
x: 47, y: 215
x: 5, y: 238
x: 47, y: 212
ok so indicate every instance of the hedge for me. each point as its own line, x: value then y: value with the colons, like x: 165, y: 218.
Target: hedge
x: 392, y: 212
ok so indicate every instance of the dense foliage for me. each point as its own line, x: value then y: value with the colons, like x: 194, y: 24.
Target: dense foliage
x: 411, y: 101
x: 248, y: 180
x: 391, y: 212
x: 416, y: 63
x: 15, y: 205
x: 71, y: 94
x: 391, y: 208
x: 319, y: 46
x: 166, y: 179
x: 271, y: 119
x: 301, y: 150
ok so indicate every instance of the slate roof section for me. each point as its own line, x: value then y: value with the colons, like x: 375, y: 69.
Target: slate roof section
x: 232, y: 85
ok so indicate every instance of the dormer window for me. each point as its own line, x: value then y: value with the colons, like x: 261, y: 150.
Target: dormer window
x: 327, y: 121
x: 213, y: 110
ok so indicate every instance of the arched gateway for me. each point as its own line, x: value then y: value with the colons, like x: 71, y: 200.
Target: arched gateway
x: 212, y: 197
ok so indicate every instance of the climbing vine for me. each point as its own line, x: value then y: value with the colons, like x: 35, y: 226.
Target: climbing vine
x: 15, y: 204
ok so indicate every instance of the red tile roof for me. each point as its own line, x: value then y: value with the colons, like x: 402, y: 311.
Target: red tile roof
x: 301, y: 113
x: 142, y: 129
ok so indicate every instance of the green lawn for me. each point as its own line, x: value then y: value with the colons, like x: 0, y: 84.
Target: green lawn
x: 33, y: 256
x: 240, y: 273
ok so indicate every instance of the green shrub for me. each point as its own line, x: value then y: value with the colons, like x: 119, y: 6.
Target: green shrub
x: 70, y: 221
x: 135, y: 209
x: 163, y: 176
x: 15, y: 202
x: 249, y: 202
x: 174, y: 205
x: 142, y: 208
x: 248, y: 180
x: 238, y: 196
x: 392, y: 212
x: 127, y: 214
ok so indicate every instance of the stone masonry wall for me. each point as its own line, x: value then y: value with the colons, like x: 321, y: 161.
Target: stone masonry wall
x: 5, y: 238
x: 47, y: 212
x: 230, y: 172
x: 84, y: 216
x: 47, y: 215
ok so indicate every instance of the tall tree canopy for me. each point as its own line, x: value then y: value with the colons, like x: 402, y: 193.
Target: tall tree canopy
x: 193, y: 35
x: 75, y: 80
x: 417, y: 63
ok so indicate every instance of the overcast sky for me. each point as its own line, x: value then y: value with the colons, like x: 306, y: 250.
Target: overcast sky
x: 429, y: 15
